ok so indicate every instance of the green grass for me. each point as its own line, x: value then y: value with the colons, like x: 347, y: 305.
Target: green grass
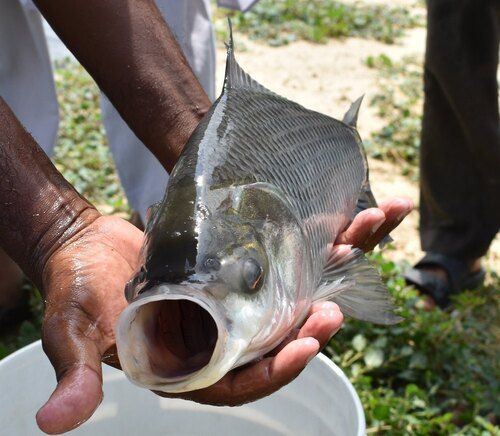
x: 81, y: 154
x: 398, y: 102
x: 435, y: 373
x: 280, y: 22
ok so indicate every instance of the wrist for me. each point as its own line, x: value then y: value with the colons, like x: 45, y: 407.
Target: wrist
x: 68, y: 216
x: 179, y: 130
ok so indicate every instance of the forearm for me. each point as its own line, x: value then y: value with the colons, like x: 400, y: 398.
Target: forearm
x: 39, y: 209
x: 130, y: 52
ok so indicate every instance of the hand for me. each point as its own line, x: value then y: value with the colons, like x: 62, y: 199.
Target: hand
x: 83, y: 285
x: 370, y: 226
x: 84, y: 281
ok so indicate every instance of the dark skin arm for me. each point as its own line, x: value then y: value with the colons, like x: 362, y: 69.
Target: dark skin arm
x: 40, y: 211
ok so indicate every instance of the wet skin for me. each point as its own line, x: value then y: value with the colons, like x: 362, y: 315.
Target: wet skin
x: 80, y: 259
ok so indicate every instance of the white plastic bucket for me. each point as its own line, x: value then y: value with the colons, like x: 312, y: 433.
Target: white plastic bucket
x: 321, y: 401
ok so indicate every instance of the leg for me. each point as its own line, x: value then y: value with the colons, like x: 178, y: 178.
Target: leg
x: 460, y: 149
x: 26, y: 81
x: 143, y: 178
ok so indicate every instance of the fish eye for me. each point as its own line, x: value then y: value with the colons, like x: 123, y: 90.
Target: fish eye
x: 212, y: 264
x: 253, y: 274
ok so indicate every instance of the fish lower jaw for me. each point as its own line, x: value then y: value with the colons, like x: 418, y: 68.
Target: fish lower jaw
x: 205, y: 377
x: 175, y: 342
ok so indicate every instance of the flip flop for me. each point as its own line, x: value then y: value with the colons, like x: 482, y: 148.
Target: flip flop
x: 460, y: 277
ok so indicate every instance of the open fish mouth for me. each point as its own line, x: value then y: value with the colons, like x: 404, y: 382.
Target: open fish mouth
x: 180, y: 337
x: 171, y: 339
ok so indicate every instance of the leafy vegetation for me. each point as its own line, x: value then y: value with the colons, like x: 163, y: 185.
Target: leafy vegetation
x: 280, y: 22
x: 399, y: 103
x: 435, y: 373
x: 81, y: 154
x: 29, y: 331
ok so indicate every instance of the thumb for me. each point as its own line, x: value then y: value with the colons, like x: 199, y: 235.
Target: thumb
x: 70, y: 343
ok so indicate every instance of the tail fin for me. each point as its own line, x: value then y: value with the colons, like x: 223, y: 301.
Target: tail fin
x: 355, y: 285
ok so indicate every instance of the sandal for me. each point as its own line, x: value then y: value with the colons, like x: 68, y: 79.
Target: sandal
x: 440, y: 290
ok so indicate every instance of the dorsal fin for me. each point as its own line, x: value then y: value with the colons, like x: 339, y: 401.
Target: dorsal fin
x: 235, y: 77
x: 351, y: 116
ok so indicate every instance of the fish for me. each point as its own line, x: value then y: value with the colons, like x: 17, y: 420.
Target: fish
x: 242, y: 243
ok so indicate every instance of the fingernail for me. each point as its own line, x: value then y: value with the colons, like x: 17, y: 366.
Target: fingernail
x: 402, y: 215
x: 408, y: 209
x: 331, y: 313
x: 375, y: 227
x: 333, y: 332
x: 329, y: 306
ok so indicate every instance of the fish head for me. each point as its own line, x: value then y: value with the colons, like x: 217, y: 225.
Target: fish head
x: 239, y: 298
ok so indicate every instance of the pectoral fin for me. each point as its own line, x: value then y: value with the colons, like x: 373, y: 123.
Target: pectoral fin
x: 355, y: 285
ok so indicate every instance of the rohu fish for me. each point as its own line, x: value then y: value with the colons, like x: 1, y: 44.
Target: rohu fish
x: 242, y: 244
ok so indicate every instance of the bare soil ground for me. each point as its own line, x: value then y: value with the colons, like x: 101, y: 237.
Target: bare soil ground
x: 326, y: 78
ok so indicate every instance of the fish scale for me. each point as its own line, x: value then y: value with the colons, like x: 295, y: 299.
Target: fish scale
x: 285, y: 160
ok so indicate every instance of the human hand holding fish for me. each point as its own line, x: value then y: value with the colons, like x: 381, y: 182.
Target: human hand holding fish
x: 84, y: 283
x: 91, y: 258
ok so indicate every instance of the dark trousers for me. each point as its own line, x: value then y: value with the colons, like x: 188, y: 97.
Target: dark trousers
x: 460, y: 149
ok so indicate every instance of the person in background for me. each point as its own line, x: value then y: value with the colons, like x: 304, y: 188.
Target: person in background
x: 81, y: 260
x: 460, y: 147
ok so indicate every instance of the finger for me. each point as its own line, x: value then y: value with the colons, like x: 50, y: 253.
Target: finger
x: 364, y: 225
x: 270, y: 374
x: 323, y: 323
x: 395, y: 210
x: 76, y: 359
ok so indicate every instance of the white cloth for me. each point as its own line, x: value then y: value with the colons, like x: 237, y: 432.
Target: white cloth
x: 26, y: 83
x: 239, y: 5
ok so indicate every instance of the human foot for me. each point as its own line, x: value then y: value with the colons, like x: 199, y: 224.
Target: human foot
x: 439, y: 277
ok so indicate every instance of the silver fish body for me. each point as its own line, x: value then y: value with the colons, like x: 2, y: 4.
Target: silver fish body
x: 242, y: 243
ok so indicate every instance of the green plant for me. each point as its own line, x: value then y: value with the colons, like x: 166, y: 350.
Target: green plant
x: 280, y: 22
x: 399, y: 103
x: 82, y: 154
x: 434, y: 373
